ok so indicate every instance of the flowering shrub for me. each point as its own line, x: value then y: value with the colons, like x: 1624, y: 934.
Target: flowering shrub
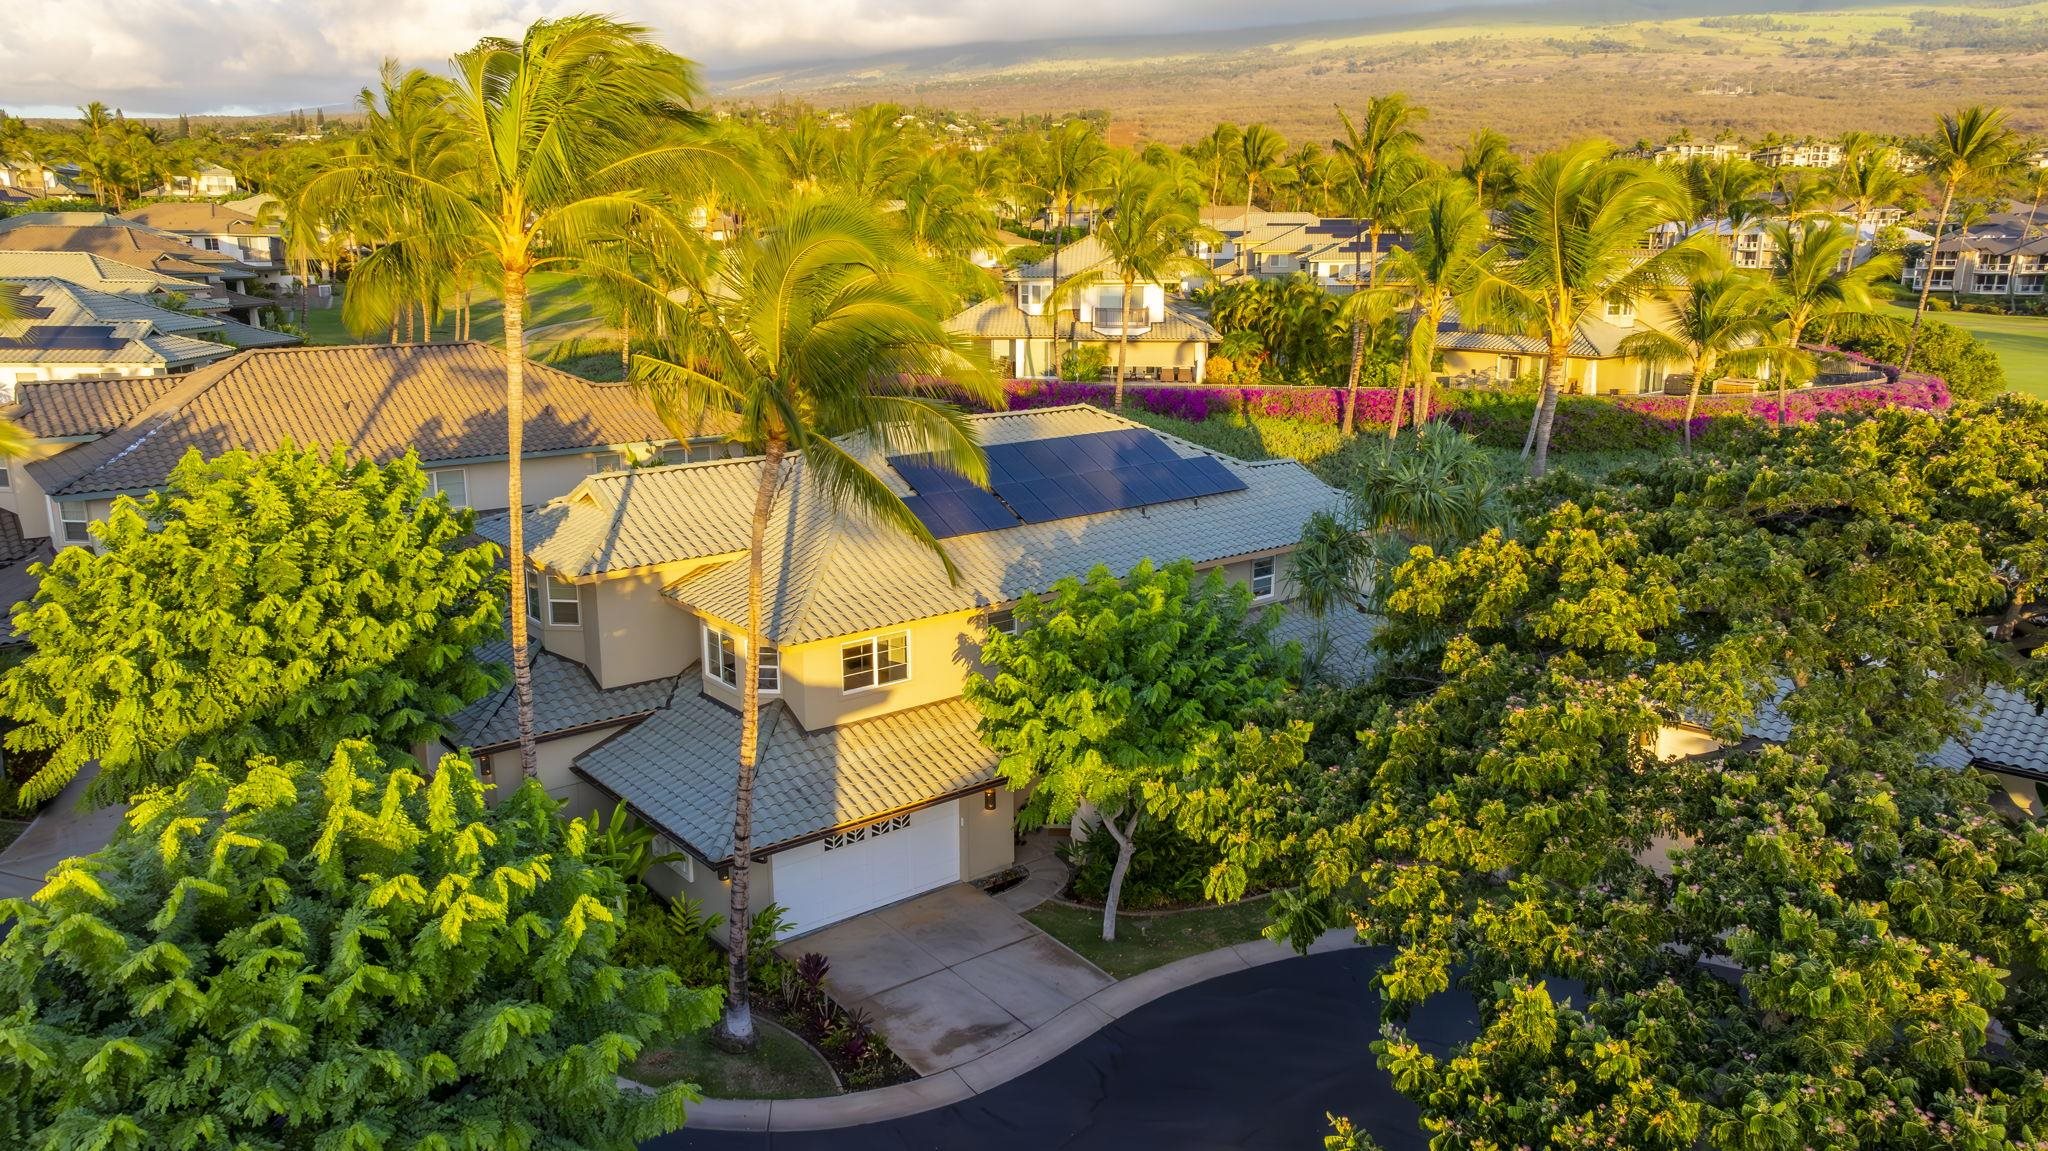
x: 1582, y: 423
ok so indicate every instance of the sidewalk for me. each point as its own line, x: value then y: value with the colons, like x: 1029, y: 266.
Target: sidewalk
x: 59, y: 833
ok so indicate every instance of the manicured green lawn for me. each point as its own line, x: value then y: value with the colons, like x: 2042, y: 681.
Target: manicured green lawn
x: 551, y: 300
x: 1144, y: 942
x: 2020, y: 341
x: 781, y: 1067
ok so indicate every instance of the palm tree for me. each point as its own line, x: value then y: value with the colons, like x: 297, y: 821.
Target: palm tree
x: 1487, y: 160
x: 1730, y: 189
x: 1381, y: 150
x: 1811, y: 282
x: 559, y: 129
x: 948, y: 221
x: 1967, y: 147
x: 1869, y: 176
x: 2033, y: 184
x: 1575, y: 229
x: 1718, y: 327
x: 1145, y: 239
x: 1260, y: 152
x: 821, y: 332
x: 1449, y: 251
x: 1216, y: 152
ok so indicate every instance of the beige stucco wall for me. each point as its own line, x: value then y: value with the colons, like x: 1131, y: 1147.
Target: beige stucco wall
x: 639, y: 634
x: 554, y: 756
x: 987, y: 838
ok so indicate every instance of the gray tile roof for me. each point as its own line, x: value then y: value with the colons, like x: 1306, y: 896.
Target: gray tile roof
x: 840, y: 575
x: 676, y: 768
x: 1594, y: 339
x: 2011, y: 734
x: 94, y: 271
x: 1001, y: 319
x: 565, y: 699
x: 617, y: 521
x: 1349, y: 633
x: 443, y: 400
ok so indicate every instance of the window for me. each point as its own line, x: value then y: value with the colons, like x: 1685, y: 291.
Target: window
x: 874, y: 661
x: 533, y: 582
x: 211, y: 243
x: 768, y: 670
x: 607, y: 462
x: 1509, y: 368
x: 1003, y: 620
x: 1030, y: 295
x: 564, y: 605
x: 721, y: 657
x: 6, y: 474
x: 450, y: 482
x: 75, y: 517
x: 1620, y: 310
x: 1262, y: 577
x: 675, y: 454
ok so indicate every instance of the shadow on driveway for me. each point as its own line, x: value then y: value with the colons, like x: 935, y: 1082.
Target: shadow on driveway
x: 1249, y: 1060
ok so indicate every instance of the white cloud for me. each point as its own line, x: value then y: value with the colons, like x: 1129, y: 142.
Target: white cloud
x: 168, y: 56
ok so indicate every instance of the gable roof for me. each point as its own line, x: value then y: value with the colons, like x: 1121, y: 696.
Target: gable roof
x: 565, y: 699
x: 445, y: 400
x: 1593, y: 339
x: 128, y: 244
x: 90, y: 270
x: 75, y: 409
x: 998, y: 318
x: 66, y: 302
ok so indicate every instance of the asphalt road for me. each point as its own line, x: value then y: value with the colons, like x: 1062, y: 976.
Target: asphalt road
x: 1251, y: 1060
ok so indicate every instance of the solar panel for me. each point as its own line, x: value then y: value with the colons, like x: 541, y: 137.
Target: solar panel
x: 1055, y: 479
x: 948, y: 504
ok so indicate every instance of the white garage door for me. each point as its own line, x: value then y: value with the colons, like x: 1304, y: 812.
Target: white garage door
x: 862, y: 869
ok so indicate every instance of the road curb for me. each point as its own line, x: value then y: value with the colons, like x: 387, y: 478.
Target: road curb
x: 1023, y: 1054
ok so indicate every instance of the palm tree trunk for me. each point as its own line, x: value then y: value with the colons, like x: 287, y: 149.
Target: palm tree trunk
x: 1546, y: 408
x: 1927, y: 281
x: 1372, y: 273
x: 1394, y: 420
x: 737, y: 1026
x: 1351, y: 380
x: 1123, y: 341
x: 1692, y: 404
x: 1244, y: 251
x: 515, y: 444
x: 1420, y: 352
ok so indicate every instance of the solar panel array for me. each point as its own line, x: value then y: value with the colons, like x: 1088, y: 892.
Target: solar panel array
x: 1038, y: 481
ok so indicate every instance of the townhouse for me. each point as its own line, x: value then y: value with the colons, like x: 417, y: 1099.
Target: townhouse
x: 217, y: 276
x: 872, y: 784
x: 204, y: 181
x: 1025, y: 334
x: 1799, y: 154
x: 2001, y: 257
x: 61, y: 330
x: 222, y: 230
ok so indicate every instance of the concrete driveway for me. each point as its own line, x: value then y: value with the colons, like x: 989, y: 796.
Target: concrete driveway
x: 951, y: 975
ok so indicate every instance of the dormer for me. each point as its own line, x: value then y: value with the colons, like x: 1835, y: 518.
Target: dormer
x: 1620, y: 313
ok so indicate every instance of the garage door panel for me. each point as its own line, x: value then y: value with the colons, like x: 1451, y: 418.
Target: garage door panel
x: 867, y: 867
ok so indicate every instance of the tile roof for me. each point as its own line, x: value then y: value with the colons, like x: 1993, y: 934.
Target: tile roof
x: 676, y: 769
x: 2011, y: 734
x: 14, y: 546
x: 828, y: 563
x: 1073, y: 259
x: 94, y: 271
x: 1349, y: 633
x: 565, y: 699
x: 617, y: 521
x: 130, y: 245
x: 1594, y: 339
x: 67, y: 409
x: 444, y: 400
x: 201, y: 216
x: 76, y: 303
x: 1000, y: 319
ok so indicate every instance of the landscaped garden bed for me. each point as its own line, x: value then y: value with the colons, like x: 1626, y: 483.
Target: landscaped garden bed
x: 782, y: 1066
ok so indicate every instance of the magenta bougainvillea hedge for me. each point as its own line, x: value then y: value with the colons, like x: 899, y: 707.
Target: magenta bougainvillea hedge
x: 1582, y: 422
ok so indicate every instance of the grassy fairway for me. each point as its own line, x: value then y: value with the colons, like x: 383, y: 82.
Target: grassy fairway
x: 551, y: 300
x: 2020, y: 341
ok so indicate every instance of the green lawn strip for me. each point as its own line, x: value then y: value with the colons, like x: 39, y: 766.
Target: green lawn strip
x: 1144, y: 942
x: 2021, y: 343
x: 782, y: 1066
x: 551, y: 299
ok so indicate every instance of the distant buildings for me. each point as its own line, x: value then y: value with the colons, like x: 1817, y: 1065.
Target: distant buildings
x: 1999, y: 257
x: 207, y: 181
x: 62, y: 330
x: 1799, y: 154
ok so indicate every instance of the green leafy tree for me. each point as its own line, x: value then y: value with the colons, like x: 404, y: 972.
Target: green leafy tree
x: 1488, y: 162
x: 1970, y: 368
x: 269, y: 604
x: 1449, y: 252
x: 824, y: 337
x: 1717, y: 328
x: 290, y: 956
x: 1382, y: 153
x: 1113, y: 686
x: 1261, y: 158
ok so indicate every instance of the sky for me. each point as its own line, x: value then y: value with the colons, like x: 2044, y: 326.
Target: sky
x: 162, y: 57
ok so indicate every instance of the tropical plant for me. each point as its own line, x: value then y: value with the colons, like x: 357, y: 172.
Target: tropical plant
x: 562, y: 133
x: 1575, y: 230
x: 1115, y: 686
x: 1869, y: 178
x: 1969, y: 147
x: 1261, y: 159
x: 1488, y: 161
x: 1719, y: 326
x: 1383, y: 154
x: 1449, y: 251
x: 819, y: 340
x: 281, y: 954
x: 270, y: 604
x: 1727, y: 192
x: 1811, y: 283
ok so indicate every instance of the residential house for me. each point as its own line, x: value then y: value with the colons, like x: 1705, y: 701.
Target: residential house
x: 872, y: 784
x: 1682, y: 151
x: 34, y: 181
x: 213, y: 274
x: 207, y: 181
x: 98, y: 439
x: 1799, y: 154
x: 1998, y: 258
x: 1025, y: 336
x: 61, y: 330
x: 217, y: 229
x: 1594, y: 365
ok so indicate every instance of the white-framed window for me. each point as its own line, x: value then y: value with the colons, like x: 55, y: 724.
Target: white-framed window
x: 6, y: 473
x: 768, y: 669
x: 564, y: 604
x: 1001, y: 619
x: 675, y: 454
x: 1508, y: 368
x: 1620, y: 310
x: 875, y: 661
x: 76, y: 518
x: 607, y: 462
x: 450, y: 482
x: 211, y: 243
x: 721, y: 657
x: 1031, y: 294
x: 855, y: 835
x: 1262, y: 577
